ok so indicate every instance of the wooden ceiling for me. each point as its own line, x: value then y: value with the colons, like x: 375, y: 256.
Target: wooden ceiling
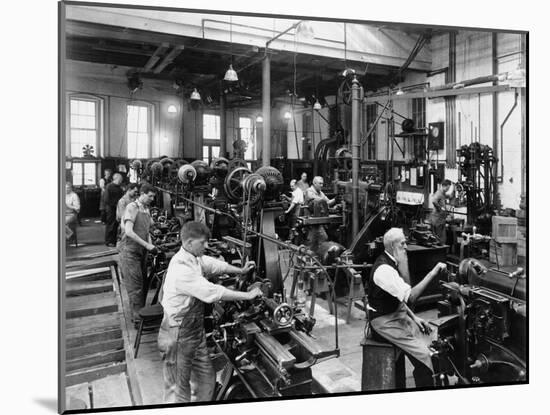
x: 195, y: 62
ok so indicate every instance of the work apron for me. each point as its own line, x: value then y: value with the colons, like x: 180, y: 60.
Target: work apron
x: 186, y: 358
x: 399, y: 329
x: 133, y: 260
x: 438, y: 221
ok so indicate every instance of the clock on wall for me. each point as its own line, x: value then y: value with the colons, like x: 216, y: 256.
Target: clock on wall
x: 435, y: 135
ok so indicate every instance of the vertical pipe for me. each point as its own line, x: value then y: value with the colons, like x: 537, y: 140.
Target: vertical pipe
x: 355, y: 156
x: 223, y: 123
x: 495, y: 118
x: 266, y: 110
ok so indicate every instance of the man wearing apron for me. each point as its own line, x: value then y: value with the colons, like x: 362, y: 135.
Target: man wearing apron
x: 390, y: 316
x: 135, y: 243
x: 439, y: 214
x: 182, y: 339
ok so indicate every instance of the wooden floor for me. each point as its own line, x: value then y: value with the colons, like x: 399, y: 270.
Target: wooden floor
x: 96, y: 369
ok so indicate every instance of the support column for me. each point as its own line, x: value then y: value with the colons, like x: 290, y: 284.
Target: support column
x: 355, y: 147
x: 223, y: 124
x: 266, y: 110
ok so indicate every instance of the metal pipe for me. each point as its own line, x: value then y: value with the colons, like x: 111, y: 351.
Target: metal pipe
x: 223, y: 123
x: 501, y: 178
x: 355, y: 146
x: 266, y: 110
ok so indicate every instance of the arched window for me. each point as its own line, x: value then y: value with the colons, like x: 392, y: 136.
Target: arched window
x: 139, y: 129
x: 84, y: 125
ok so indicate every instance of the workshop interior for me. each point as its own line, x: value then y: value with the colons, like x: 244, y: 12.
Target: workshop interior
x: 341, y: 170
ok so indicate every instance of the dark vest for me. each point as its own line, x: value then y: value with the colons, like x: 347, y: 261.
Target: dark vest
x: 382, y: 301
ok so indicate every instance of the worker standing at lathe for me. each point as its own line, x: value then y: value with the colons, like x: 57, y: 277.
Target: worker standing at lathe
x: 439, y: 215
x: 182, y: 337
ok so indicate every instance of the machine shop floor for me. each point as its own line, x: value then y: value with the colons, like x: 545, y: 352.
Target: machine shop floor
x: 335, y: 375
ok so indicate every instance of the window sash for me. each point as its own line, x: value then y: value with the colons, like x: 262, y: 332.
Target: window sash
x: 211, y: 127
x: 83, y: 125
x: 84, y: 173
x: 138, y: 130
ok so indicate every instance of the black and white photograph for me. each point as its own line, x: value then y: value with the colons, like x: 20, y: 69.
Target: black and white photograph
x: 264, y: 207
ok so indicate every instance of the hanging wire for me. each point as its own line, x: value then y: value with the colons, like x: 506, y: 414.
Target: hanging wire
x: 231, y: 37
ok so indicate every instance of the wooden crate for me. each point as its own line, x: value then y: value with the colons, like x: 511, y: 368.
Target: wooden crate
x: 503, y: 254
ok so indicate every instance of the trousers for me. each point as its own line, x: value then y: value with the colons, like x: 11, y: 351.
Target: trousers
x: 187, y: 366
x: 133, y: 267
x: 111, y: 225
x: 399, y: 329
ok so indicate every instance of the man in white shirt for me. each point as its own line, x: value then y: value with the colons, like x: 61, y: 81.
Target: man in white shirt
x: 314, y: 192
x: 72, y: 208
x: 182, y: 339
x: 296, y: 201
x: 389, y: 297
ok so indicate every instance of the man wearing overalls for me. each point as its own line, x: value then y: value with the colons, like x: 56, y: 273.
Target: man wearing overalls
x: 389, y: 297
x: 182, y: 338
x: 135, y: 243
x: 439, y: 215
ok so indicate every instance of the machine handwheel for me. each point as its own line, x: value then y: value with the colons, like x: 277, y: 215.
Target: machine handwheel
x: 233, y: 183
x: 344, y: 91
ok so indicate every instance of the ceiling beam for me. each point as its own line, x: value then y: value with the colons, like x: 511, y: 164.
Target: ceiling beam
x: 155, y: 56
x: 168, y: 59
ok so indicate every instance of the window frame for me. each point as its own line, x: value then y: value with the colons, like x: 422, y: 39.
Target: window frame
x: 150, y: 128
x: 99, y: 103
x: 84, y: 161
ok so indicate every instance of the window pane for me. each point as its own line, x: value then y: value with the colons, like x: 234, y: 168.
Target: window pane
x: 245, y: 124
x: 205, y: 153
x: 215, y: 151
x: 211, y: 126
x: 89, y: 174
x: 138, y: 131
x: 83, y: 124
x: 77, y: 174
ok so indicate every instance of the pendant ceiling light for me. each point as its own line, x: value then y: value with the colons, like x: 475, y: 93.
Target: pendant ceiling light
x: 317, y: 106
x: 195, y: 96
x: 304, y: 30
x: 230, y: 74
x: 259, y: 118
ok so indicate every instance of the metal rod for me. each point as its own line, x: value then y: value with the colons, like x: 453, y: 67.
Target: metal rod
x: 266, y: 110
x: 355, y: 147
x: 502, y: 134
x: 223, y: 123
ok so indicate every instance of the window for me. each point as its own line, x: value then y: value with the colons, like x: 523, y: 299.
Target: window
x: 419, y: 112
x: 138, y: 131
x: 247, y: 134
x: 210, y: 127
x: 84, y: 122
x: 368, y: 120
x: 84, y: 173
x: 210, y: 152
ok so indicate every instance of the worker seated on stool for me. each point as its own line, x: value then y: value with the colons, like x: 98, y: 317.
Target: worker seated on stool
x: 72, y: 205
x: 389, y: 298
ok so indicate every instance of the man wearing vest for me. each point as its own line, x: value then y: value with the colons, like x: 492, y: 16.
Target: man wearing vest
x: 390, y: 296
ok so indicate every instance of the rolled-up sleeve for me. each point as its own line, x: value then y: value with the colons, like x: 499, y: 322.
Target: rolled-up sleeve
x: 202, y: 289
x: 389, y: 280
x: 213, y: 266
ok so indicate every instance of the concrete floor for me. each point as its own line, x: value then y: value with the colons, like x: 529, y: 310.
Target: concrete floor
x: 341, y: 374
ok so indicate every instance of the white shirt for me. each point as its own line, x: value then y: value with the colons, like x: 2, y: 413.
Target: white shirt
x: 297, y: 197
x: 387, y: 278
x: 185, y: 279
x: 73, y: 202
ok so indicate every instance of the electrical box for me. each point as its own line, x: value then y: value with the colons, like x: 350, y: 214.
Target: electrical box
x: 436, y: 135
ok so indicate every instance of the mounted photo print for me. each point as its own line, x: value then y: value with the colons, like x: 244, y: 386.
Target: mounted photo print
x: 270, y: 207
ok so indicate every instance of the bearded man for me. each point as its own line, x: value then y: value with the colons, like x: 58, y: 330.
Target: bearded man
x: 390, y: 295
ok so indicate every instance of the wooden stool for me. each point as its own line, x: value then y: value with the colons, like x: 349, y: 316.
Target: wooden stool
x: 150, y: 319
x: 383, y: 366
